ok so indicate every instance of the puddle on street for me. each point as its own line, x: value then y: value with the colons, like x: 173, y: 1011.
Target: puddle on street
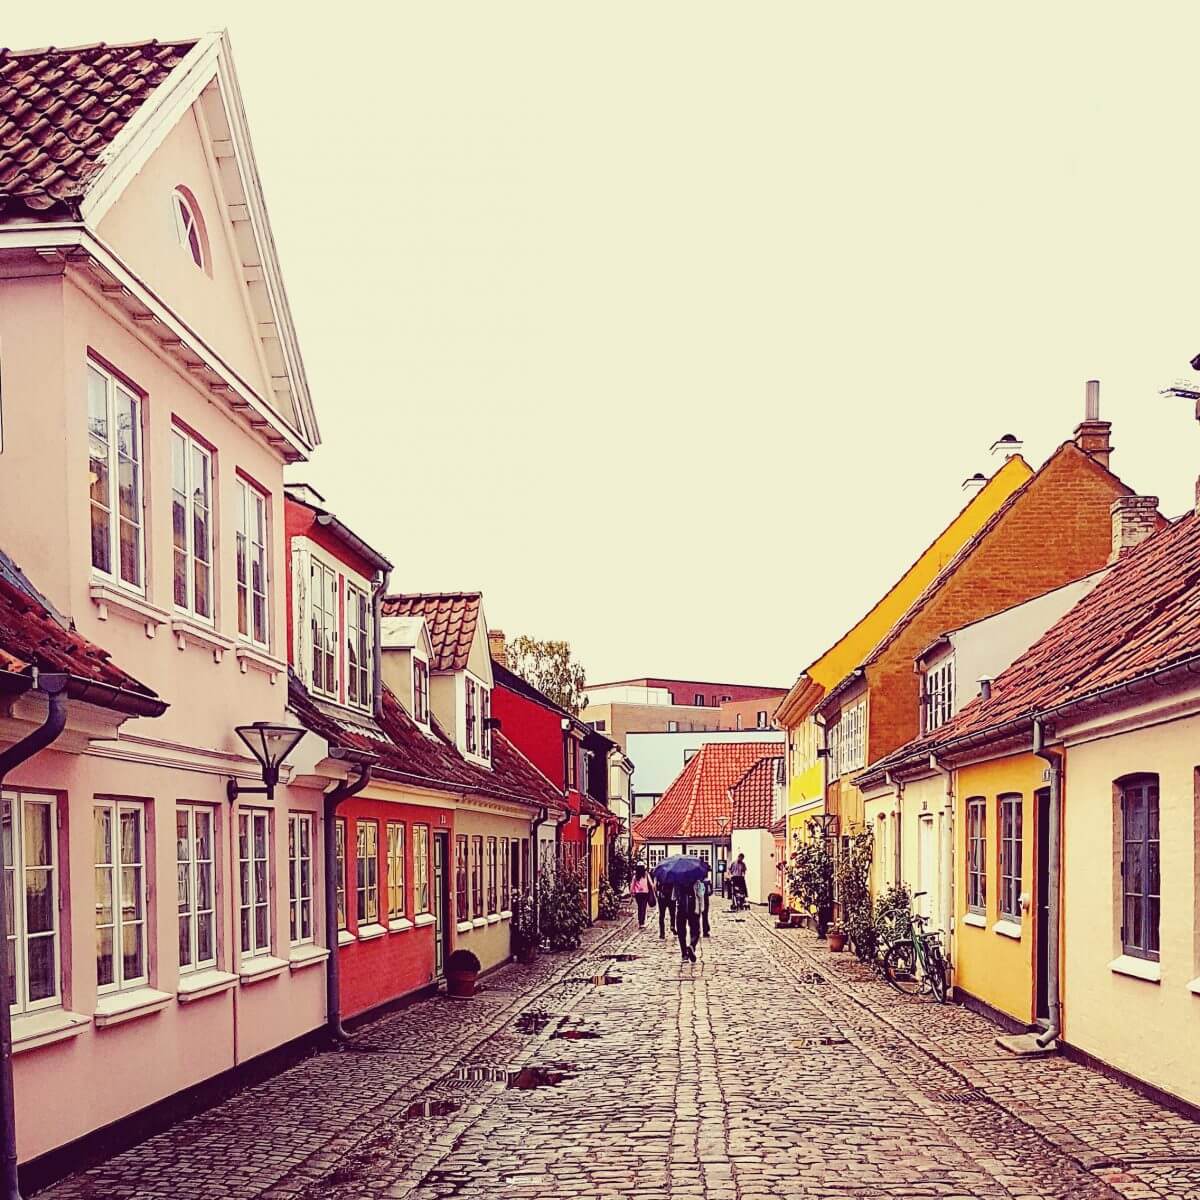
x: 626, y: 957
x: 483, y: 1074
x: 536, y: 1077
x: 532, y: 1022
x: 604, y: 980
x: 575, y: 1035
x: 432, y: 1108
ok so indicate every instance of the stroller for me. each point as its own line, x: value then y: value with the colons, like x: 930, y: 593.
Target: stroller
x: 737, y: 888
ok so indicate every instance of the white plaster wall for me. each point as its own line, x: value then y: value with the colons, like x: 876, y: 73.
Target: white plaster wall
x: 759, y: 848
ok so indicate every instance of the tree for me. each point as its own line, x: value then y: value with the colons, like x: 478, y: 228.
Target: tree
x: 550, y: 667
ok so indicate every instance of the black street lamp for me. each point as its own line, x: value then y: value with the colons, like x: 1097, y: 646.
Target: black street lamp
x: 270, y: 745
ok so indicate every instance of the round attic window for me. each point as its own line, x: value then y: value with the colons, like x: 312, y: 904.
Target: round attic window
x: 190, y: 226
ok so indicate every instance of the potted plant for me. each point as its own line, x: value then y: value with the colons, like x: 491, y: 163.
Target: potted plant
x: 524, y: 928
x: 837, y: 938
x: 462, y: 969
x: 810, y: 876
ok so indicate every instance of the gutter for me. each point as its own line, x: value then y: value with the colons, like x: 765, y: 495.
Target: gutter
x: 55, y: 687
x: 328, y: 521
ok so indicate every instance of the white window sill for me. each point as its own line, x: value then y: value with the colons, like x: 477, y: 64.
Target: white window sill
x: 1194, y: 986
x: 506, y: 915
x: 198, y: 984
x: 464, y: 927
x: 266, y: 966
x: 251, y: 656
x: 479, y: 922
x: 307, y: 956
x: 1136, y: 968
x: 113, y: 1008
x: 400, y: 925
x: 108, y: 597
x: 35, y: 1029
x: 368, y: 933
x: 1008, y: 929
x: 978, y: 920
x: 493, y: 919
x: 191, y: 629
x: 424, y: 919
x: 345, y: 937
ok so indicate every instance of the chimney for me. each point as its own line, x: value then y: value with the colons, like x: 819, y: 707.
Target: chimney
x: 1134, y: 518
x: 1007, y: 446
x: 1092, y: 434
x: 497, y: 646
x: 974, y: 484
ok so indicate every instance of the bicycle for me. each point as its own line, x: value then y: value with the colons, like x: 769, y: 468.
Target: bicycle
x: 916, y: 964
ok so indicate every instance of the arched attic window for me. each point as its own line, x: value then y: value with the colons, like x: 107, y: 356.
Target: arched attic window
x: 190, y: 226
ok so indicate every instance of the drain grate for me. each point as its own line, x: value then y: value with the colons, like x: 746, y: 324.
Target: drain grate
x: 965, y: 1095
x: 810, y: 977
x: 807, y: 1043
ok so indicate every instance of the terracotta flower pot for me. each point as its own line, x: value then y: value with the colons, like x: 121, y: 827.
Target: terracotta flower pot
x: 837, y: 940
x: 527, y: 954
x: 461, y: 984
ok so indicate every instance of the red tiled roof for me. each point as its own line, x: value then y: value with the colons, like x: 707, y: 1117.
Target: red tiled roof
x: 451, y: 618
x: 753, y: 796
x: 31, y: 635
x: 1142, y: 617
x: 59, y: 112
x: 403, y: 749
x: 691, y: 806
x: 779, y: 829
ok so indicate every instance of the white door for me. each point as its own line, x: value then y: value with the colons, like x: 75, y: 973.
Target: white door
x: 925, y: 851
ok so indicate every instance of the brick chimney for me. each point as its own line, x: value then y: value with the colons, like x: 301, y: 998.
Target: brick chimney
x: 1134, y: 518
x: 1092, y: 435
x: 497, y: 646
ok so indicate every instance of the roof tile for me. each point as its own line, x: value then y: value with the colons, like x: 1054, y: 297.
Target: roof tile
x: 451, y: 617
x: 753, y: 796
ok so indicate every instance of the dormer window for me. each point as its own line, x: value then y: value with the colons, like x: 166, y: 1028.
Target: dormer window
x: 324, y: 605
x: 358, y: 648
x: 938, y: 697
x: 472, y: 741
x: 189, y: 224
x: 421, y: 691
x: 485, y: 715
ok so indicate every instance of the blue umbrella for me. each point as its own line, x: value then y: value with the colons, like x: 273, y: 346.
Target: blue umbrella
x: 680, y: 870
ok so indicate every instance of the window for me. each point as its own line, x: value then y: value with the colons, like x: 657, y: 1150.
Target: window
x: 300, y: 888
x: 470, y: 727
x: 324, y: 600
x: 485, y: 715
x: 832, y: 744
x: 737, y: 720
x: 492, y: 907
x: 395, y: 876
x: 505, y: 885
x: 521, y: 867
x: 366, y: 867
x: 421, y: 868
x: 31, y: 872
x: 698, y: 700
x: 977, y: 854
x: 572, y: 752
x: 1139, y: 866
x: 191, y: 525
x: 339, y: 834
x: 358, y: 648
x: 196, y: 885
x: 655, y: 855
x: 252, y: 563
x: 421, y: 691
x: 120, y: 839
x: 760, y: 719
x: 938, y: 700
x: 1010, y: 857
x: 477, y: 876
x: 115, y: 478
x: 461, y: 904
x: 190, y: 227
x: 254, y: 881
x: 672, y: 726
x: 851, y: 741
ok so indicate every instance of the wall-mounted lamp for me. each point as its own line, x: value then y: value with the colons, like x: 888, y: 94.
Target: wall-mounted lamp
x: 270, y: 745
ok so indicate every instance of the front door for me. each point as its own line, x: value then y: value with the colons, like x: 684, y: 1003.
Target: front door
x: 441, y: 900
x: 1042, y: 899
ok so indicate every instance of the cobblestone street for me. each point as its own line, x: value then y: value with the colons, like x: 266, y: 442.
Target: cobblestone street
x: 662, y: 1080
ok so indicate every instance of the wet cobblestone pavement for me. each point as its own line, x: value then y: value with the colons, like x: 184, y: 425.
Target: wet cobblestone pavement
x: 666, y: 1080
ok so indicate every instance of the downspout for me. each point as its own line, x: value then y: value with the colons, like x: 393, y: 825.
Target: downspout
x: 54, y: 687
x: 535, y: 860
x: 946, y: 863
x: 1054, y: 760
x: 333, y: 974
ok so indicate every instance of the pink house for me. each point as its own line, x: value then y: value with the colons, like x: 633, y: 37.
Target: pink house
x: 152, y: 394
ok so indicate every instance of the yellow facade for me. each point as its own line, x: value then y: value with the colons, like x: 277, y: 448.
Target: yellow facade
x: 993, y: 956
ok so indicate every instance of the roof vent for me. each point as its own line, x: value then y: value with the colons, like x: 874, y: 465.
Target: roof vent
x: 1007, y: 447
x: 974, y: 483
x: 985, y: 687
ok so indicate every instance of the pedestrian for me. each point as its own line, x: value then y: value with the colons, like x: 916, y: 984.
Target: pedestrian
x: 706, y: 885
x: 666, y: 909
x: 689, y: 904
x: 737, y: 880
x: 642, y: 891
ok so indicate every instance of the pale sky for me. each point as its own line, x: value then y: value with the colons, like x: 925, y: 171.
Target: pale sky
x: 675, y: 328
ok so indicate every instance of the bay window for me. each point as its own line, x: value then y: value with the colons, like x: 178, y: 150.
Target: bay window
x: 119, y: 828
x: 358, y: 648
x: 395, y: 871
x: 254, y: 881
x: 31, y: 873
x: 1140, y: 888
x: 252, y: 563
x: 115, y: 478
x: 420, y: 691
x: 194, y: 866
x: 323, y: 602
x: 300, y: 878
x: 421, y: 868
x: 191, y: 525
x: 366, y: 869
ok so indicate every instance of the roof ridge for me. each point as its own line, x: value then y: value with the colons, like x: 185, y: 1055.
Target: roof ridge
x: 44, y: 51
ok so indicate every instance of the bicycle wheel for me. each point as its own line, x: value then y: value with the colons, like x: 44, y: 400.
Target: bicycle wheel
x: 937, y: 974
x: 900, y: 968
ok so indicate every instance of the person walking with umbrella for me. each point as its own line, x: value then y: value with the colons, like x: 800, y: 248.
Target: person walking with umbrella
x: 686, y: 877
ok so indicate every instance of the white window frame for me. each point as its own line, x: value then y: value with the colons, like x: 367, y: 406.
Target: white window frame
x: 18, y: 934
x: 938, y: 698
x: 1010, y: 814
x: 339, y: 840
x: 851, y: 738
x: 976, y: 864
x: 191, y: 552
x: 420, y: 690
x: 397, y: 877
x: 833, y: 737
x: 422, y: 902
x: 327, y: 639
x: 116, y: 809
x: 300, y: 899
x: 485, y: 713
x: 254, y: 507
x: 255, y: 898
x: 114, y: 389
x: 366, y: 871
x: 187, y: 221
x: 470, y: 716
x: 358, y: 629
x: 189, y: 909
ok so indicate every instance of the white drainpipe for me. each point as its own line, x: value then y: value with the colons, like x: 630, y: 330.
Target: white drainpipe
x: 946, y: 863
